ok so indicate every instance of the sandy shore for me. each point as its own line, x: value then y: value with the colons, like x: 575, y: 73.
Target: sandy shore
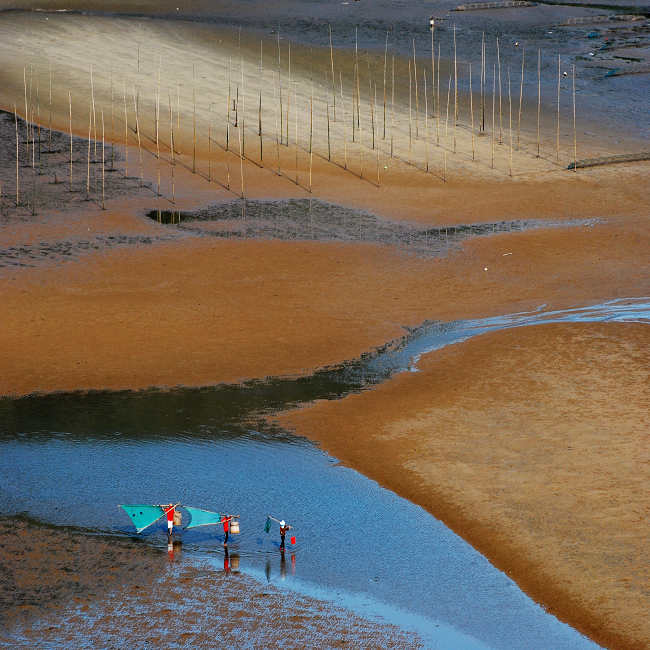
x: 532, y: 444
x: 74, y: 589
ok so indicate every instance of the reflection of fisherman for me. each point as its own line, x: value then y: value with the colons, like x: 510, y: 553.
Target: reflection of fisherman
x: 173, y: 550
x: 225, y: 520
x: 226, y: 561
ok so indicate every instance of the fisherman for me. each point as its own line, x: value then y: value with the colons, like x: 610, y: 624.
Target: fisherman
x: 170, y: 509
x: 225, y: 520
x: 284, y: 527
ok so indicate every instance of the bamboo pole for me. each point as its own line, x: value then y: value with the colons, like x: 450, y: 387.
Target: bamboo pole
x: 92, y: 95
x: 455, y: 89
x: 241, y: 161
x: 438, y: 99
x: 90, y: 124
x: 137, y: 131
x: 410, y: 108
x: 27, y: 132
x: 417, y: 100
x: 482, y: 107
x: 471, y: 110
x: 228, y: 103
x: 392, y: 105
x: 193, y: 119
x: 17, y: 159
x: 494, y: 81
x: 500, y: 94
x: 49, y: 144
x: 557, y: 130
x: 539, y: 94
x: 356, y: 68
x: 510, y: 118
x: 295, y: 101
x: 126, y: 134
x: 448, y: 100
x: 426, y: 120
x: 243, y: 102
x: 158, y: 111
x: 385, y: 61
x: 280, y: 87
x: 372, y: 116
x: 259, y: 124
x: 521, y: 95
x: 575, y: 135
x: 171, y: 147
x: 70, y: 116
x: 433, y: 70
x: 103, y: 163
x: 329, y: 149
x: 311, y: 134
x: 112, y: 123
x: 332, y: 67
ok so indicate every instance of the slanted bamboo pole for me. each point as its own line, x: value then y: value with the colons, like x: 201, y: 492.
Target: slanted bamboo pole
x: 92, y: 95
x: 241, y: 161
x: 448, y: 100
x: 171, y: 147
x: 392, y: 104
x: 311, y: 134
x: 295, y: 101
x: 455, y: 88
x: 438, y: 99
x: 228, y: 104
x: 329, y: 148
x: 356, y: 72
x: 112, y: 123
x: 280, y: 85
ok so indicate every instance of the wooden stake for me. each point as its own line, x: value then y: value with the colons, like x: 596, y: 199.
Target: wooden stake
x: 171, y: 146
x: 289, y: 94
x: 49, y: 145
x: 92, y: 96
x: 137, y: 130
x: 112, y: 123
x: 433, y: 71
x: 329, y: 149
x: 438, y: 99
x: 280, y: 86
x: 392, y: 104
x: 356, y: 68
x: 455, y: 89
x: 90, y: 124
x: 193, y: 119
x: 228, y: 104
x: 410, y: 108
x: 426, y: 119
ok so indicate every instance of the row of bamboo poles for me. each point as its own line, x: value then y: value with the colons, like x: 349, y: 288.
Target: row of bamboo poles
x: 358, y: 133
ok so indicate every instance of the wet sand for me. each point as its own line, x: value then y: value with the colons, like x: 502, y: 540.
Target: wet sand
x: 530, y: 443
x: 74, y: 589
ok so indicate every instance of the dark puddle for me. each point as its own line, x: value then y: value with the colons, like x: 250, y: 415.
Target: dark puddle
x: 315, y: 220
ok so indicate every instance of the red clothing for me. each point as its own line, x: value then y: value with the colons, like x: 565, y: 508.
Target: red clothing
x: 170, y: 515
x: 225, y: 521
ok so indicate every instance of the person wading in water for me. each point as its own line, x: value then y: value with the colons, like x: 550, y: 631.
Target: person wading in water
x: 284, y: 527
x: 225, y: 520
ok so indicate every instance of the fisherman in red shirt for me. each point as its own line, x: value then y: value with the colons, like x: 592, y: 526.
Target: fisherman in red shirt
x: 225, y: 520
x: 284, y: 527
x: 170, y: 509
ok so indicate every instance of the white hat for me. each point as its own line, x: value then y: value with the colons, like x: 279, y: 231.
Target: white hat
x: 282, y: 523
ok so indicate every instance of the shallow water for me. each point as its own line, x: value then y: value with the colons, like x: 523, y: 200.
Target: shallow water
x: 70, y: 459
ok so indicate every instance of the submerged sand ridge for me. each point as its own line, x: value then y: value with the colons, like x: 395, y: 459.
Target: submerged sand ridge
x: 531, y: 443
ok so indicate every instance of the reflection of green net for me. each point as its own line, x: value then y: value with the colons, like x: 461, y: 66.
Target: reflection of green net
x: 267, y: 525
x: 202, y: 517
x: 143, y: 516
